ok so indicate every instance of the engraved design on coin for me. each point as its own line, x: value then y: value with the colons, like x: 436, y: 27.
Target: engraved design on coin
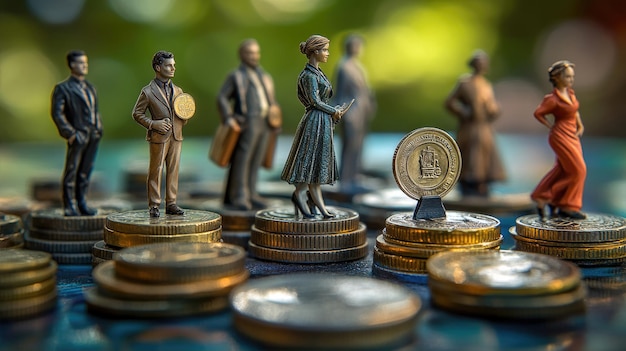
x: 427, y: 161
x: 184, y: 106
x: 594, y: 222
x: 285, y: 214
x: 454, y: 220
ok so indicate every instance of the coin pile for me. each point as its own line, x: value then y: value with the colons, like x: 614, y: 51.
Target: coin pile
x: 599, y: 239
x: 321, y: 311
x: 27, y: 283
x: 279, y: 236
x: 167, y: 280
x: 505, y: 284
x: 11, y: 231
x: 406, y: 244
x: 133, y: 228
x: 68, y: 238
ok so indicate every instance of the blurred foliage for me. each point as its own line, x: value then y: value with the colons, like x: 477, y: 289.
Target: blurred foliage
x: 415, y: 51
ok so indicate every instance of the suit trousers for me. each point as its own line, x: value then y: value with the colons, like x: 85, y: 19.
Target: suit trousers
x: 163, y: 154
x: 79, y: 160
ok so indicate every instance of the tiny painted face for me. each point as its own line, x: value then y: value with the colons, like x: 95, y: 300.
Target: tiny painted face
x: 322, y: 54
x: 251, y: 55
x: 80, y: 66
x: 566, y: 78
x: 166, y: 69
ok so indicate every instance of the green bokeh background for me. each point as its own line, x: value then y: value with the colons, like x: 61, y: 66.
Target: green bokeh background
x: 415, y: 51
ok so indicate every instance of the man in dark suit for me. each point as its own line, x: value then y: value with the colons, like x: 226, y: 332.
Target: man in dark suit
x: 245, y: 99
x: 164, y: 132
x: 75, y: 113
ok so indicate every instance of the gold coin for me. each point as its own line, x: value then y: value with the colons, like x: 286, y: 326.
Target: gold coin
x: 457, y: 228
x: 399, y: 263
x: 316, y: 311
x: 283, y: 220
x: 57, y: 246
x: 11, y: 241
x: 572, y: 250
x: 21, y: 260
x: 502, y: 272
x: 184, y: 106
x: 64, y: 235
x: 100, y: 303
x: 140, y: 222
x: 28, y: 307
x: 595, y: 228
x: 97, y: 260
x: 28, y: 290
x: 179, y: 262
x: 118, y: 239
x: 105, y: 277
x: 307, y: 256
x: 397, y: 247
x: 104, y: 251
x: 9, y: 224
x: 322, y: 241
x: 26, y: 277
x: 427, y: 161
x: 54, y: 219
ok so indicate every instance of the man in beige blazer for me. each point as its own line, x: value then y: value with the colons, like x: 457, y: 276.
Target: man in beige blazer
x: 164, y: 132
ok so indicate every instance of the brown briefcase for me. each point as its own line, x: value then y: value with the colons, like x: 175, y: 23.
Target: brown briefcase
x: 224, y: 143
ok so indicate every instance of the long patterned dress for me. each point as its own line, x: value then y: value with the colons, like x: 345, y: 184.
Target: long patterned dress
x: 563, y: 186
x: 311, y: 159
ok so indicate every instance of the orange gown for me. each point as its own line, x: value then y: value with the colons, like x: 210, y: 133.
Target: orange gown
x: 563, y: 186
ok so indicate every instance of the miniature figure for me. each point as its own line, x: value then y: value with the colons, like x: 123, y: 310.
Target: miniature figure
x: 562, y: 188
x: 247, y: 100
x: 311, y: 161
x: 352, y: 84
x: 473, y: 102
x: 75, y: 113
x: 164, y: 132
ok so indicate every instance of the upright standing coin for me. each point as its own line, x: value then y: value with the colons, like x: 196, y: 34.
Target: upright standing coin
x: 427, y: 161
x: 184, y: 106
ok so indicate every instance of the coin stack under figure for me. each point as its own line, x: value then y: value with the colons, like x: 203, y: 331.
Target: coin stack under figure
x: 599, y: 239
x: 167, y: 280
x: 68, y: 238
x: 505, y: 284
x: 322, y: 311
x: 133, y: 228
x: 279, y: 235
x: 426, y: 167
x: 11, y: 232
x: 27, y: 283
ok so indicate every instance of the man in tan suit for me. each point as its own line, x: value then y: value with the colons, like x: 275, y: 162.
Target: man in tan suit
x: 164, y: 132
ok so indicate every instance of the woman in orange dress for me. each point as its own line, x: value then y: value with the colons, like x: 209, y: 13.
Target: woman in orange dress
x: 562, y: 188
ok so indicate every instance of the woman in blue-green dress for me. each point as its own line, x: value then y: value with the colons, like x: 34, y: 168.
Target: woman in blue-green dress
x: 311, y: 160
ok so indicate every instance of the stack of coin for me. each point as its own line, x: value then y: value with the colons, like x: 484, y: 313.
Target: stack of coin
x: 11, y: 232
x: 167, y: 280
x: 133, y: 228
x: 279, y: 236
x: 27, y: 283
x: 321, y: 311
x: 599, y: 239
x: 406, y: 244
x: 505, y: 284
x: 68, y: 238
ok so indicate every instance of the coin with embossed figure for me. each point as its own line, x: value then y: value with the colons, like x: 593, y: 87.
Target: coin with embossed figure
x: 427, y: 161
x: 315, y: 311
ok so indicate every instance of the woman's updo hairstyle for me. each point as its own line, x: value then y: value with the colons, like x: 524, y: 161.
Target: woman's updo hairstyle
x: 557, y: 69
x: 313, y: 43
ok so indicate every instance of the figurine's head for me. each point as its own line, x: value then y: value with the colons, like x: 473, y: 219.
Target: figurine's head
x: 354, y: 44
x: 315, y: 45
x: 78, y: 63
x: 479, y: 61
x: 561, y: 74
x: 250, y: 53
x: 164, y: 65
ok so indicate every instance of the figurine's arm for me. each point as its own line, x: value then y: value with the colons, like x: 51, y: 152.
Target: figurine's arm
x: 224, y: 105
x: 545, y: 108
x: 314, y: 94
x: 59, y: 101
x: 580, y: 128
x: 454, y: 104
x: 139, y: 114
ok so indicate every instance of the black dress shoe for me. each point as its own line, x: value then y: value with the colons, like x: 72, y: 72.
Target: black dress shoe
x: 86, y: 210
x: 571, y: 214
x: 174, y: 210
x: 154, y: 212
x: 71, y: 211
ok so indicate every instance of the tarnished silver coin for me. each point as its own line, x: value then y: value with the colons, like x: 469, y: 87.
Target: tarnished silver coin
x: 319, y: 310
x: 283, y: 220
x: 427, y: 161
x: 9, y: 224
x: 595, y: 228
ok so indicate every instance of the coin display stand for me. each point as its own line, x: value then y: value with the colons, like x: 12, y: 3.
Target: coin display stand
x: 68, y: 238
x: 279, y: 236
x: 321, y: 311
x: 167, y: 280
x: 11, y: 232
x: 599, y: 239
x: 133, y: 228
x: 27, y: 283
x: 505, y: 284
x: 426, y: 166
